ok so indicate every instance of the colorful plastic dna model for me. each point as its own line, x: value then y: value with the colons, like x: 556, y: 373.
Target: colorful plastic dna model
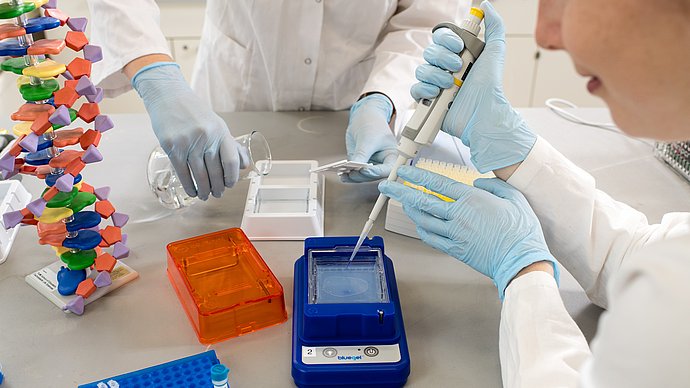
x: 41, y: 148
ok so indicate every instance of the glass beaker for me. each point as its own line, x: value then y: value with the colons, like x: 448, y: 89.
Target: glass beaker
x: 256, y: 153
x: 166, y: 186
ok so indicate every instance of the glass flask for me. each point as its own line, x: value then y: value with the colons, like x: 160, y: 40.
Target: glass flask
x: 255, y: 156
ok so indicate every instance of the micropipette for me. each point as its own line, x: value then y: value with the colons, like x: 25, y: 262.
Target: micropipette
x: 429, y: 114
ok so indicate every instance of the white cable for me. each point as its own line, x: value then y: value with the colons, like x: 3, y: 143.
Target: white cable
x: 552, y: 104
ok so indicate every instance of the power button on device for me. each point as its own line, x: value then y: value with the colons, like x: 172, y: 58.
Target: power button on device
x: 330, y: 352
x: 371, y: 351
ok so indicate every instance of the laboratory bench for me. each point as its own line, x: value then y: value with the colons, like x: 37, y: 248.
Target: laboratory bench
x: 451, y: 312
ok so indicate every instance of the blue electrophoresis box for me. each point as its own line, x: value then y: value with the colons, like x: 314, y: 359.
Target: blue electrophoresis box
x: 347, y: 325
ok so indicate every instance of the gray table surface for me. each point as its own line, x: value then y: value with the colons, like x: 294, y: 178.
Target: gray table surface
x: 451, y: 312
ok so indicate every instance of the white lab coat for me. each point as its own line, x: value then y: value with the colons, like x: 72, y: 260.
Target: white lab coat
x: 282, y: 54
x: 639, y: 272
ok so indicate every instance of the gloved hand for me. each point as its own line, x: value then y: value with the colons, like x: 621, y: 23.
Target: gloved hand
x: 480, y: 116
x: 489, y: 227
x: 197, y: 140
x: 369, y: 139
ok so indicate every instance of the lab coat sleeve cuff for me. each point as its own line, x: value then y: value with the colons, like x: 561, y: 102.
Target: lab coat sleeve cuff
x: 530, y: 167
x: 124, y: 36
x: 398, y: 94
x: 393, y: 77
x: 111, y: 76
x: 530, y: 280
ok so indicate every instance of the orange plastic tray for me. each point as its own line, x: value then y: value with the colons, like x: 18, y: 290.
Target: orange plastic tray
x: 224, y: 285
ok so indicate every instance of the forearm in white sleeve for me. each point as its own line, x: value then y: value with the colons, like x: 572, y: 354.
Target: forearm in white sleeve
x: 643, y: 339
x: 403, y: 41
x: 539, y: 343
x: 126, y: 30
x: 587, y: 231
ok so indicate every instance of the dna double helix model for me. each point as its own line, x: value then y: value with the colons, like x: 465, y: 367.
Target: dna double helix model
x: 55, y: 142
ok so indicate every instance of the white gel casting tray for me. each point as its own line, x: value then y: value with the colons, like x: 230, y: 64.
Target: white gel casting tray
x: 286, y: 204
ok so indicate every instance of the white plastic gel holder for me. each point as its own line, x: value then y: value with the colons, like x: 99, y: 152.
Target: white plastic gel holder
x: 13, y: 197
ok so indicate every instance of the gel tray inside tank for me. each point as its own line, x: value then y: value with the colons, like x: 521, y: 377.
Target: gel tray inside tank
x: 333, y: 279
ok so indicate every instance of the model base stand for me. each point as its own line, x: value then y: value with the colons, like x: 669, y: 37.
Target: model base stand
x: 45, y: 281
x: 189, y: 372
x: 58, y: 132
x: 286, y: 204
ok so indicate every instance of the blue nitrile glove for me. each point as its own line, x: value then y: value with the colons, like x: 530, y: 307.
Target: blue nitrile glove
x: 489, y: 227
x: 369, y: 139
x: 480, y: 116
x: 197, y: 140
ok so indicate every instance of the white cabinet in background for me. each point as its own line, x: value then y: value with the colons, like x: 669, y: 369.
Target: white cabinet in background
x: 183, y: 19
x: 531, y: 78
x: 184, y: 51
x: 556, y: 77
x: 519, y: 16
x: 520, y: 66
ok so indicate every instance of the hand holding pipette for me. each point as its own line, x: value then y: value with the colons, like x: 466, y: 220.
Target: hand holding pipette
x: 429, y: 114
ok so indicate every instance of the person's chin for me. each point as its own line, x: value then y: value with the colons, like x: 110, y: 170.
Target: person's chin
x: 630, y: 124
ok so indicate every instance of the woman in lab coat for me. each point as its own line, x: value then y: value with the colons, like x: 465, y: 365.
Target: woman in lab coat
x: 269, y: 55
x: 637, y: 55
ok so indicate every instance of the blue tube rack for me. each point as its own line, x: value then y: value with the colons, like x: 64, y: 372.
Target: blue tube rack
x: 189, y: 372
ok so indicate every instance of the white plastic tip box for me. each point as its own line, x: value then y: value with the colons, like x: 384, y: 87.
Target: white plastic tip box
x: 14, y: 197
